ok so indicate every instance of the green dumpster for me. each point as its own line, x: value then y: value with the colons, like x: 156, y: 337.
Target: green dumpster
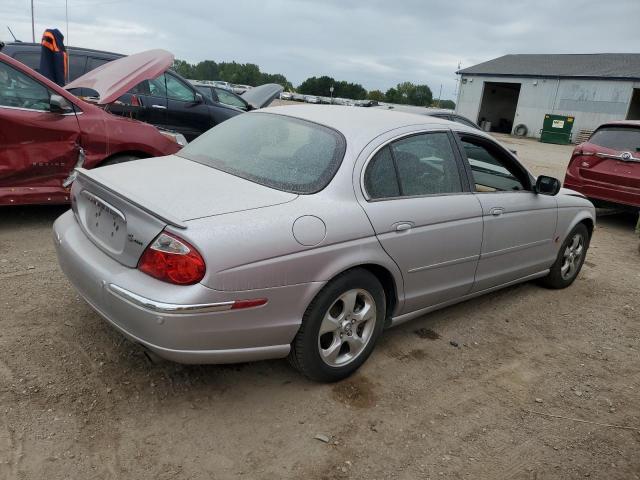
x: 556, y: 129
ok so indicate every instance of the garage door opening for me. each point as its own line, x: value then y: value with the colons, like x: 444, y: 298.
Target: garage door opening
x: 634, y: 106
x: 498, y: 107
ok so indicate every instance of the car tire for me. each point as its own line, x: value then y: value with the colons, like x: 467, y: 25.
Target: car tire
x: 570, y: 259
x: 339, y: 328
x: 521, y: 130
x: 119, y: 159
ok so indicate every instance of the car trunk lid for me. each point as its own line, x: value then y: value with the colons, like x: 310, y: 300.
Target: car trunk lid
x: 610, y: 166
x: 260, y: 97
x: 123, y: 207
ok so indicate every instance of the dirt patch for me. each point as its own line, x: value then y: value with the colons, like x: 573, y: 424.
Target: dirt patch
x: 356, y: 391
x: 427, y: 333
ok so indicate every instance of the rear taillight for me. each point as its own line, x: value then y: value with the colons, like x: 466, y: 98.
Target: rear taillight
x: 171, y: 259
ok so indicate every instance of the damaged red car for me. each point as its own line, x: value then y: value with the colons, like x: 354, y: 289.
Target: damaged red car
x: 606, y: 168
x: 46, y: 132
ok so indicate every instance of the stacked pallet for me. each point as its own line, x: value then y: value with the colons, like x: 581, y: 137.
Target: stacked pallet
x: 583, y: 135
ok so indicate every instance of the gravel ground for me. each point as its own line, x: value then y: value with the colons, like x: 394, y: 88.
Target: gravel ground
x: 544, y: 384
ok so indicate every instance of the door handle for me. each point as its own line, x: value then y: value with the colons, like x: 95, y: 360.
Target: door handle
x: 403, y: 226
x: 159, y: 107
x: 496, y: 211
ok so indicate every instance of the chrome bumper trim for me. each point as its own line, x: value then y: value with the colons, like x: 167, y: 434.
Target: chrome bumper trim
x: 166, y: 308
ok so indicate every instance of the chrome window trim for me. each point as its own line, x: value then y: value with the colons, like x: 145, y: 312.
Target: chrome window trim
x: 366, y: 195
x: 166, y: 308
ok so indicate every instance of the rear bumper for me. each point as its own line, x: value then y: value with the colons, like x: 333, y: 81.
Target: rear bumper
x: 186, y: 324
x: 603, y: 191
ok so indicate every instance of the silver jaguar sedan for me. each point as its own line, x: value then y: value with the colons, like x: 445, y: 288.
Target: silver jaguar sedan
x: 304, y: 231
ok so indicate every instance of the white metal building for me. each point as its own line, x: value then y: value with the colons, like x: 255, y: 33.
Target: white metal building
x: 515, y: 90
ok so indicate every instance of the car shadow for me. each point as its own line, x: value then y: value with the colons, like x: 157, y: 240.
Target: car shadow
x: 618, y: 219
x: 30, y: 215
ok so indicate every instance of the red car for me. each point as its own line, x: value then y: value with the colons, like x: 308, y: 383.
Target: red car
x: 45, y: 132
x: 606, y: 168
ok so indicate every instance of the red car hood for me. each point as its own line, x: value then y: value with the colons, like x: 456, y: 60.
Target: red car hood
x: 114, y: 79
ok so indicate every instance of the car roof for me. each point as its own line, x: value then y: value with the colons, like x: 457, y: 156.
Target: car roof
x: 621, y: 123
x: 361, y: 125
x: 17, y: 46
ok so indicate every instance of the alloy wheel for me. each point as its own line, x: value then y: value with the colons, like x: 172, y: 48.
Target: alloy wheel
x: 572, y: 257
x: 347, y: 327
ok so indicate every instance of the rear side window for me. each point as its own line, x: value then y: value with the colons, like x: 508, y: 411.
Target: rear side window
x: 93, y: 63
x: 76, y: 66
x: 617, y: 138
x: 380, y: 179
x: 30, y: 59
x: 464, y: 121
x: 277, y: 151
x: 426, y: 165
x: 418, y: 165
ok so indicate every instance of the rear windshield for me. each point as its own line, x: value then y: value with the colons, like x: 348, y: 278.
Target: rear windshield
x: 617, y: 138
x: 274, y: 150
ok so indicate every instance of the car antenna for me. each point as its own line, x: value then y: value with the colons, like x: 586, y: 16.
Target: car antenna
x: 14, y: 37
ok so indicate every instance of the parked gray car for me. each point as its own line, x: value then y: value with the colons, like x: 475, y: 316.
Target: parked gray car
x: 304, y: 231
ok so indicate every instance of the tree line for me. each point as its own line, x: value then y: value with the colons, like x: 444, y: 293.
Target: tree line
x: 405, y: 93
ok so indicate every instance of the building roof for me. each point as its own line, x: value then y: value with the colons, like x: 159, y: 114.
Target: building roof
x: 590, y: 65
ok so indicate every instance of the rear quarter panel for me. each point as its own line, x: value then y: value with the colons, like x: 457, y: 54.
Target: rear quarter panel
x: 257, y: 248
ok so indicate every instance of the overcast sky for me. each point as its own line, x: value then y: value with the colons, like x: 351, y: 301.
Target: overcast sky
x: 377, y: 43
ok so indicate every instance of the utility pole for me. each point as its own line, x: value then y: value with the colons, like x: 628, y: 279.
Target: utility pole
x: 440, y: 96
x: 33, y: 25
x: 66, y: 14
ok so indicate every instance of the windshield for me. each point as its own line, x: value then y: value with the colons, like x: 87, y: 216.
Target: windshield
x: 280, y: 152
x: 617, y: 138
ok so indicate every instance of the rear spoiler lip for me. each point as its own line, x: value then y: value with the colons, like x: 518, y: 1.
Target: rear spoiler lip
x: 83, y: 172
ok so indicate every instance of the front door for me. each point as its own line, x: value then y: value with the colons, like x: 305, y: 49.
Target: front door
x: 39, y: 147
x: 186, y: 113
x: 425, y: 217
x: 519, y: 225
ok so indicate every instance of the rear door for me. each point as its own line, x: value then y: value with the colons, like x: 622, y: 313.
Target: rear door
x: 519, y: 225
x: 39, y: 147
x: 418, y: 200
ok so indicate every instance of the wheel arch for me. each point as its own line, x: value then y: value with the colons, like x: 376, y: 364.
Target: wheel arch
x: 583, y: 217
x: 386, y: 279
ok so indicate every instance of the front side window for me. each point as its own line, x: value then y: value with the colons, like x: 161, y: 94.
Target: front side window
x: 623, y: 139
x: 229, y: 98
x: 419, y: 165
x: 277, y: 151
x: 205, y: 91
x: 176, y: 90
x: 20, y: 90
x: 169, y: 86
x: 493, y: 170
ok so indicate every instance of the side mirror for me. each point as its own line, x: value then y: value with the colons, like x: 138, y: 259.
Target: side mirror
x: 199, y: 98
x: 59, y: 104
x: 547, y: 185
